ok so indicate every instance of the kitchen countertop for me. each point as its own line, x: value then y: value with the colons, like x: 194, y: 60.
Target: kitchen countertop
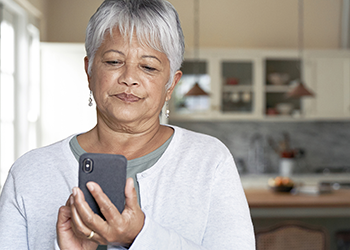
x: 266, y: 203
x: 253, y: 181
x: 264, y: 198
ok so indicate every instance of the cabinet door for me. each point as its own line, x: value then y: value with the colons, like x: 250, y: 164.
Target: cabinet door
x: 241, y: 88
x: 280, y: 74
x: 237, y: 86
x: 330, y: 80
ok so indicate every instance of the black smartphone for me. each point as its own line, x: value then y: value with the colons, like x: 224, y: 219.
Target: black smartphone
x: 108, y: 171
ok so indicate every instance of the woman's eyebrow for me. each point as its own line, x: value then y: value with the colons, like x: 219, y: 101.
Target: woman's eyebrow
x: 113, y: 50
x: 154, y: 57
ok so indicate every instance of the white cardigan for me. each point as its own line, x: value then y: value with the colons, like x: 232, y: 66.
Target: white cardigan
x: 192, y: 198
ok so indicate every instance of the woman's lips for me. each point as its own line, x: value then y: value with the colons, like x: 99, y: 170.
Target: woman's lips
x: 128, y: 97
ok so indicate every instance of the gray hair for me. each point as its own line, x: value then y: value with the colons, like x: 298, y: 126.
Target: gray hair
x: 155, y: 22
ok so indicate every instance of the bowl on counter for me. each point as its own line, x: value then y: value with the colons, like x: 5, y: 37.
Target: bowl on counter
x: 282, y: 189
x: 281, y: 184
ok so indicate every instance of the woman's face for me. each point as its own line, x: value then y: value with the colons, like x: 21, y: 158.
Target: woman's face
x: 128, y: 81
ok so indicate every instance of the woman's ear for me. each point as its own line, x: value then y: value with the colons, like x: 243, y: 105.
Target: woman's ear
x: 86, y: 66
x: 176, y: 79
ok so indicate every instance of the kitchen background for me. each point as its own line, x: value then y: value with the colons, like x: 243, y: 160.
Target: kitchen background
x: 268, y: 27
x: 326, y: 145
x: 44, y: 94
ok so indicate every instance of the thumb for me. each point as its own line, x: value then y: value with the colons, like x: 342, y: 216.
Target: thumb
x: 130, y: 194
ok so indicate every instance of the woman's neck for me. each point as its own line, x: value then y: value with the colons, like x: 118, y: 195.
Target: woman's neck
x: 125, y: 140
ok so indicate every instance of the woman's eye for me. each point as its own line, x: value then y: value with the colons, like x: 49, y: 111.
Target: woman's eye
x: 148, y: 68
x: 114, y: 63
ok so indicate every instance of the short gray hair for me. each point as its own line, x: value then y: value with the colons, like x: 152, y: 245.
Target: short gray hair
x: 155, y: 22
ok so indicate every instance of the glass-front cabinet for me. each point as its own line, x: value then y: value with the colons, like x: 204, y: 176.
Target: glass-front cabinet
x: 237, y: 87
x: 280, y: 76
x: 229, y: 81
x: 253, y: 85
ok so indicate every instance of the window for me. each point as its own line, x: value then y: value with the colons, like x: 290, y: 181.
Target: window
x: 7, y: 92
x: 19, y: 85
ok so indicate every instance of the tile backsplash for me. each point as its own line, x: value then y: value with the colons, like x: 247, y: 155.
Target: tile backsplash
x: 326, y: 144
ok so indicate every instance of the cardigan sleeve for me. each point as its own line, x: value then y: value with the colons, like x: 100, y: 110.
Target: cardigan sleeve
x: 154, y: 236
x: 229, y: 222
x: 12, y: 218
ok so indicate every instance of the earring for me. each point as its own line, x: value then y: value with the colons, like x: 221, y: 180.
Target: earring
x: 90, y: 99
x: 167, y: 111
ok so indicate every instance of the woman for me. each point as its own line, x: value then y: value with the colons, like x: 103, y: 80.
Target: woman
x: 185, y: 191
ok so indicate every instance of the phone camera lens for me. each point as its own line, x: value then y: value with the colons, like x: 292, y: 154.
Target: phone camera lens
x: 88, y: 165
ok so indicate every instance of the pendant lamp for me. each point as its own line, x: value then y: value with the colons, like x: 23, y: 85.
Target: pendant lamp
x: 300, y: 90
x: 196, y: 90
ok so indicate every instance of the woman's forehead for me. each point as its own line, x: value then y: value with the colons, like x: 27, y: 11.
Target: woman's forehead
x: 118, y: 40
x: 131, y: 36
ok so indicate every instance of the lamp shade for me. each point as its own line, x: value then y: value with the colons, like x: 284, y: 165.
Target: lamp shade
x: 299, y: 91
x: 196, y: 90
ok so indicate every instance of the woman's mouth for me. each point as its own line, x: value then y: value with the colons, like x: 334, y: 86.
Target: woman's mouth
x: 128, y: 97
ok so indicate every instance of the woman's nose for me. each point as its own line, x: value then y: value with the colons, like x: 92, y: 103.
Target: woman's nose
x: 129, y: 76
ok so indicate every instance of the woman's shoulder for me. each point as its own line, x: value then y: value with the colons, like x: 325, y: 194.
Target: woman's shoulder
x: 43, y: 156
x: 198, y: 152
x: 204, y: 142
x: 197, y: 137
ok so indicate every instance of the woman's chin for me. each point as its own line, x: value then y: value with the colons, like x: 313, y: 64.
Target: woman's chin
x: 131, y: 117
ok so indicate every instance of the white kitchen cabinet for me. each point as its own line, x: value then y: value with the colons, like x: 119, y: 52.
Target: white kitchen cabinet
x: 329, y: 76
x: 241, y: 85
x: 235, y: 86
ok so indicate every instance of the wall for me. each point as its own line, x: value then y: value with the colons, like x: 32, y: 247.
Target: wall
x: 262, y: 24
x: 68, y: 19
x: 223, y: 23
x: 326, y: 144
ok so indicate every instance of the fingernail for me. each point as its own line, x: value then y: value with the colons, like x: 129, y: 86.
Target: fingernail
x: 71, y: 200
x: 74, y: 191
x: 90, y: 186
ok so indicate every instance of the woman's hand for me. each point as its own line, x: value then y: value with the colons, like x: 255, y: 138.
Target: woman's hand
x: 118, y: 229
x: 66, y: 237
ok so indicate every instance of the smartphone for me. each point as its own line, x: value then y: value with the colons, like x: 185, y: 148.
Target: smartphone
x: 108, y: 171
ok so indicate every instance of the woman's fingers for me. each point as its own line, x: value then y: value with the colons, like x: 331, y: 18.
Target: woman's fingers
x: 130, y: 194
x: 84, y: 210
x: 79, y: 227
x: 108, y: 209
x: 118, y: 228
x: 132, y: 209
x: 84, y: 218
x: 63, y: 219
x: 69, y: 201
